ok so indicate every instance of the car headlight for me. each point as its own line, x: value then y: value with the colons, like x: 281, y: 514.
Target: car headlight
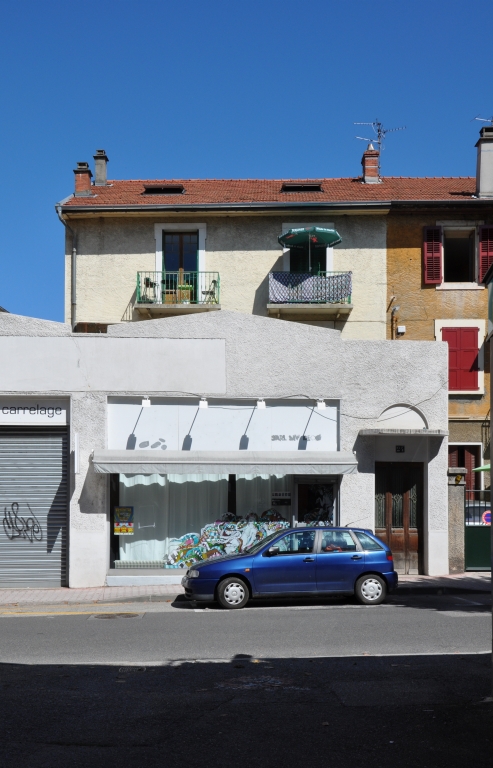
x: 193, y: 574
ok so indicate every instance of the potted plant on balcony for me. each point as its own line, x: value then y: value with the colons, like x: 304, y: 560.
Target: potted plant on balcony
x: 184, y: 291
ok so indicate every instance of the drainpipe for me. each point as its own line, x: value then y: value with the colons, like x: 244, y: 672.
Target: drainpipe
x: 73, y: 267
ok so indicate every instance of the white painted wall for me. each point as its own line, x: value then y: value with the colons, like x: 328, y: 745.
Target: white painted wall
x: 263, y: 357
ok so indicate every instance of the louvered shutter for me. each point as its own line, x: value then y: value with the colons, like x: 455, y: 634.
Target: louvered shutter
x: 485, y: 250
x: 471, y: 461
x: 462, y: 358
x: 432, y: 255
x: 453, y: 456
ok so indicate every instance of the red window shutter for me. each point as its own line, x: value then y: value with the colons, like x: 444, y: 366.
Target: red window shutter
x: 469, y: 358
x: 462, y: 358
x: 471, y: 459
x: 485, y: 250
x: 432, y: 255
x: 453, y: 456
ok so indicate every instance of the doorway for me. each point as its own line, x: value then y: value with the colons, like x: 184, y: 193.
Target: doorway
x: 399, y: 512
x: 317, y: 503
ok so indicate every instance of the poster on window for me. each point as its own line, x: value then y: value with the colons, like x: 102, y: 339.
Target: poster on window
x: 124, y: 521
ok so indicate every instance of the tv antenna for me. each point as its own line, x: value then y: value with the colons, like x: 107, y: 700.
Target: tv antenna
x: 483, y: 119
x: 379, y: 137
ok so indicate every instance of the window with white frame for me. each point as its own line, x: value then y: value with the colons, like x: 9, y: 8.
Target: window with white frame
x: 456, y: 254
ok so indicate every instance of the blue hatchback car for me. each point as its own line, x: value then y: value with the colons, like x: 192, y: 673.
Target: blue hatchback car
x: 298, y: 561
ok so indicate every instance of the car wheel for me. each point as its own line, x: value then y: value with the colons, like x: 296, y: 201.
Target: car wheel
x: 371, y: 590
x: 232, y: 593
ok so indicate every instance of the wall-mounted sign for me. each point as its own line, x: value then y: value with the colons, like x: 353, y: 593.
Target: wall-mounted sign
x: 124, y: 521
x: 17, y: 411
x: 281, y: 499
x: 226, y: 425
x: 400, y: 448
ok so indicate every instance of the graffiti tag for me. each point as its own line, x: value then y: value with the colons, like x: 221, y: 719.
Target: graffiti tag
x: 17, y: 527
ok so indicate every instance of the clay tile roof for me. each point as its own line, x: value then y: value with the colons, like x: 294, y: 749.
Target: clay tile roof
x: 237, y: 191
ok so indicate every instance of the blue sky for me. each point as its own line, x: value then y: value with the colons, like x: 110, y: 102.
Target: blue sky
x: 222, y: 89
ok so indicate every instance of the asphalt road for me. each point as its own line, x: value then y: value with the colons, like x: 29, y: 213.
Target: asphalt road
x: 328, y: 684
x: 161, y: 632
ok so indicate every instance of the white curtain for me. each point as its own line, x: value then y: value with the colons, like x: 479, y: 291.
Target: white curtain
x: 254, y: 493
x: 168, y: 507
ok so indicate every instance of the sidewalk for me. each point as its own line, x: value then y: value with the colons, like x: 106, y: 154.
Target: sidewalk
x: 457, y: 583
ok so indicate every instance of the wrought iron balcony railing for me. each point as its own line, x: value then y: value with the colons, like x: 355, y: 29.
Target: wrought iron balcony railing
x: 178, y: 287
x: 304, y: 288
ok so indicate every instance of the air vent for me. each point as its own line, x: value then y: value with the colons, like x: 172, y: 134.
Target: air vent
x: 163, y: 189
x: 292, y: 186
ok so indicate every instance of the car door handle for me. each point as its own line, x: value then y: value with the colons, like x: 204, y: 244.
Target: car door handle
x: 308, y: 559
x: 357, y: 557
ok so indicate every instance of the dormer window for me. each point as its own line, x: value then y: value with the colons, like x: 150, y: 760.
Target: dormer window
x: 291, y: 186
x: 163, y: 189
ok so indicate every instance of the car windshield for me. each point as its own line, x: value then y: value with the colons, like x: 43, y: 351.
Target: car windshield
x: 253, y: 548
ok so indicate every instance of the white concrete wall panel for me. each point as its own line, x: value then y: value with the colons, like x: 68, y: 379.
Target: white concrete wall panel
x: 263, y: 358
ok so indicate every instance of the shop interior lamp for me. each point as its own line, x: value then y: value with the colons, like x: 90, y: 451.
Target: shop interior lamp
x: 146, y: 403
x: 203, y: 403
x: 321, y: 405
x: 261, y: 403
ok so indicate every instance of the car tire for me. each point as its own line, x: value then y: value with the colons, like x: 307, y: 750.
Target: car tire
x: 370, y: 589
x: 232, y: 593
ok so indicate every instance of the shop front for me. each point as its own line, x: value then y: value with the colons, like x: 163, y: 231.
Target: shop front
x: 194, y: 480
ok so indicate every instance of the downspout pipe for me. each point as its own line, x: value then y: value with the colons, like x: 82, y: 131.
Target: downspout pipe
x: 73, y: 268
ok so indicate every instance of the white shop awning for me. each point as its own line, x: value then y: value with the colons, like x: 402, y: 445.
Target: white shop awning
x: 224, y: 462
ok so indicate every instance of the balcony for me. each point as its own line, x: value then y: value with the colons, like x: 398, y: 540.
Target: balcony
x: 176, y: 293
x: 327, y: 294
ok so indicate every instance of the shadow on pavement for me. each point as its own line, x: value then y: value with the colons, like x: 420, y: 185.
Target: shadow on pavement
x: 378, y: 712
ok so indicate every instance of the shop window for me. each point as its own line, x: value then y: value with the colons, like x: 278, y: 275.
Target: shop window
x: 183, y: 519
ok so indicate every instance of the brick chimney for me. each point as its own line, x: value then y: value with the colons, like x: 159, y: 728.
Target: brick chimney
x: 100, y: 161
x: 369, y: 161
x: 83, y: 180
x: 484, y: 167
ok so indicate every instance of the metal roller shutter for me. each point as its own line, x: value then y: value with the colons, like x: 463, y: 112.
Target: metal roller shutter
x: 33, y: 506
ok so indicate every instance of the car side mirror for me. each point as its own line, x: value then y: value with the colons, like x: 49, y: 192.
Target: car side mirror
x: 273, y: 551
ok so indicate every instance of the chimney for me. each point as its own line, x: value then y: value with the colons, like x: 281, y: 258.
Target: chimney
x: 83, y: 180
x: 484, y: 167
x: 100, y: 161
x: 369, y: 161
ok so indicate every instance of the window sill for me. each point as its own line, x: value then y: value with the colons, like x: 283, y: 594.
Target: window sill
x: 461, y: 392
x: 460, y: 287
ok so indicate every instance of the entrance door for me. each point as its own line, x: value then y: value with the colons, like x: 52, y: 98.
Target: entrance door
x: 316, y: 503
x: 399, y: 512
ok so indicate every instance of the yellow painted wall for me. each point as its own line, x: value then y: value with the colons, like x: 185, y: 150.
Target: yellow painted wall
x: 421, y: 304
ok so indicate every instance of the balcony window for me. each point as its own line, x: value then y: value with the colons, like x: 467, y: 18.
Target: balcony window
x: 299, y: 260
x: 180, y: 251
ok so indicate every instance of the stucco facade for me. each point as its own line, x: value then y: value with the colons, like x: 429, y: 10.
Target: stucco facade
x: 243, y: 249
x: 263, y: 358
x: 424, y: 309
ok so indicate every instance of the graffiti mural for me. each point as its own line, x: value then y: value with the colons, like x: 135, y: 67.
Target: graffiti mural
x: 228, y: 536
x: 18, y: 527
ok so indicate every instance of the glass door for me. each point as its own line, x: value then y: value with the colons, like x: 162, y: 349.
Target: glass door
x: 180, y: 265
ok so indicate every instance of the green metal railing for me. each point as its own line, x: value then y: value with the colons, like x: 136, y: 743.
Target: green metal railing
x: 177, y: 287
x: 305, y: 288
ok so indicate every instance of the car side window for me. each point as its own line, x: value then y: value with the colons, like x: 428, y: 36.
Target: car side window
x: 337, y: 541
x: 296, y: 543
x: 368, y: 544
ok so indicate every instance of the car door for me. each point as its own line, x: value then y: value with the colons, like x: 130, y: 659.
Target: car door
x: 340, y: 561
x: 292, y: 569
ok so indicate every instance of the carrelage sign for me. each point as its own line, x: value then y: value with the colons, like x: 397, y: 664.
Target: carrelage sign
x: 30, y: 412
